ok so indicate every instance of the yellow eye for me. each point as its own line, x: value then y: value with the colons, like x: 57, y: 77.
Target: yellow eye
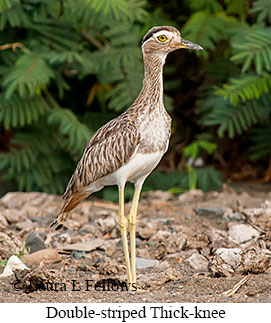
x: 162, y: 38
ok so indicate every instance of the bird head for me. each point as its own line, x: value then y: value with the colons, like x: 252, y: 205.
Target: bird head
x: 162, y: 40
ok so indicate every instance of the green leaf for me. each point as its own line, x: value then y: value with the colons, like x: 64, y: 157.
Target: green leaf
x: 263, y: 8
x: 245, y: 87
x: 17, y: 112
x: 27, y: 76
x: 75, y: 134
x: 255, y: 48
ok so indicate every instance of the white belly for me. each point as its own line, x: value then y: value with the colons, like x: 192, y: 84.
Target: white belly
x: 137, y: 168
x: 135, y: 171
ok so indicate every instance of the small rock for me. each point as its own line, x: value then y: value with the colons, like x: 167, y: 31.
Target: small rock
x: 159, y: 195
x: 198, y: 262
x: 9, y: 244
x: 24, y: 225
x: 108, y: 267
x: 231, y: 256
x: 236, y: 216
x: 177, y: 241
x: 14, y: 215
x: 78, y: 254
x: 145, y: 232
x: 110, y: 247
x: 107, y: 224
x: 226, y: 260
x: 60, y: 239
x: 3, y: 222
x: 242, y: 233
x: 160, y: 235
x: 44, y: 256
x: 199, y: 240
x: 142, y: 263
x: 34, y: 242
x: 115, y: 233
x: 158, y: 280
x: 217, y: 211
x: 87, y: 245
x: 87, y: 228
x: 13, y: 263
x: 13, y: 200
x: 41, y: 220
x: 229, y: 215
x: 190, y: 196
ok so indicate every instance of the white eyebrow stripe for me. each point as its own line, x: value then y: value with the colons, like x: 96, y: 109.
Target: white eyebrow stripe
x: 162, y: 32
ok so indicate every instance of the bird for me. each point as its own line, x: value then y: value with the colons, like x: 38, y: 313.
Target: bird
x: 130, y: 146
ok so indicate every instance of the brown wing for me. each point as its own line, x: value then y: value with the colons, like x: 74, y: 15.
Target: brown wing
x: 111, y: 147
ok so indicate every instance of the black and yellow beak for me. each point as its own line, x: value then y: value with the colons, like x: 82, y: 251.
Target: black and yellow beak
x: 189, y: 45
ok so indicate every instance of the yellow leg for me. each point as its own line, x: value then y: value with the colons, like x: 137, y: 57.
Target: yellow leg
x: 123, y: 230
x: 132, y: 230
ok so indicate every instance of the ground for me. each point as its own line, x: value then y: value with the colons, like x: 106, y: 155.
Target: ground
x: 191, y: 248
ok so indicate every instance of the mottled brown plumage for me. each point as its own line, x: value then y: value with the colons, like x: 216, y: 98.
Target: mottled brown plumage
x: 130, y: 146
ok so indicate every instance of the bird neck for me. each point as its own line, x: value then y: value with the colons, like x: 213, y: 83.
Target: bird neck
x: 153, y: 77
x: 151, y: 94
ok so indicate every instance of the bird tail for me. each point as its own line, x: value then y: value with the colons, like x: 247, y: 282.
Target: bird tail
x: 68, y: 205
x: 59, y: 221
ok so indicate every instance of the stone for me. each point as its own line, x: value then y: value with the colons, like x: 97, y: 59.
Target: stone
x: 145, y: 232
x: 107, y: 224
x: 14, y: 263
x: 44, y: 256
x: 42, y: 220
x: 217, y: 211
x: 78, y: 254
x: 3, y: 222
x: 177, y: 241
x: 242, y: 233
x: 24, y: 225
x: 198, y: 262
x: 232, y: 216
x: 14, y: 215
x: 60, y: 239
x: 110, y: 247
x: 160, y: 235
x: 34, y: 242
x: 226, y: 260
x: 13, y: 200
x: 86, y: 229
x: 229, y: 261
x: 9, y: 244
x: 87, y: 245
x: 160, y: 195
x: 191, y: 196
x: 231, y: 256
x: 142, y: 263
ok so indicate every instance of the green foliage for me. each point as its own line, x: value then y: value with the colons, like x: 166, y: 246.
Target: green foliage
x: 208, y: 25
x: 239, y: 7
x: 75, y: 134
x: 255, y: 48
x: 193, y: 149
x: 67, y: 67
x: 27, y: 76
x: 263, y: 9
x: 246, y: 87
x: 17, y: 112
x: 232, y: 119
x: 262, y: 143
x: 205, y: 29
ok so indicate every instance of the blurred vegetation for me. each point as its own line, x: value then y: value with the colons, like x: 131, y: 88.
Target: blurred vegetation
x: 67, y: 67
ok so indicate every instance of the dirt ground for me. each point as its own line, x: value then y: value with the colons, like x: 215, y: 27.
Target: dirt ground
x: 201, y: 246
